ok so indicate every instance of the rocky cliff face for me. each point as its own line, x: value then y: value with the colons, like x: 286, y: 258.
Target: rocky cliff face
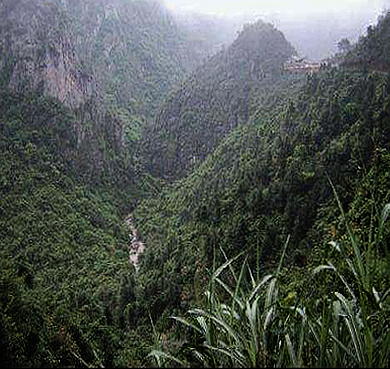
x: 112, y: 62
x: 38, y: 52
x: 135, y: 48
x: 131, y: 53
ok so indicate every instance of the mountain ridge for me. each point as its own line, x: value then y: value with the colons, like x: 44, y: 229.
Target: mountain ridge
x: 214, y: 100
x: 238, y: 164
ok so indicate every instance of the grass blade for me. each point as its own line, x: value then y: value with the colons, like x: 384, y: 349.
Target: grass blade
x: 358, y: 257
x: 158, y: 354
x: 281, y: 259
x: 264, y: 281
x: 352, y: 327
x: 185, y: 322
x: 291, y: 351
x: 236, y: 357
x: 217, y: 320
x: 225, y: 265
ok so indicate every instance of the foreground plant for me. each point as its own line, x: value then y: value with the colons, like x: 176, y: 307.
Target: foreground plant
x: 264, y: 325
x: 360, y: 330
x: 237, y: 328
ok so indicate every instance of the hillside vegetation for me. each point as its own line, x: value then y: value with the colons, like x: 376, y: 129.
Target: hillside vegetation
x: 64, y: 254
x: 213, y: 101
x: 69, y: 173
x: 262, y: 183
x: 371, y: 51
x: 261, y: 196
x: 301, y: 179
x: 112, y: 61
x: 136, y: 50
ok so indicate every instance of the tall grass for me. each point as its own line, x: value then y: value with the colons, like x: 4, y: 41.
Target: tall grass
x: 345, y: 322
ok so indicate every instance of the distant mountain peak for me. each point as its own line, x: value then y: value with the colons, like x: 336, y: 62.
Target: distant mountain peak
x: 214, y: 100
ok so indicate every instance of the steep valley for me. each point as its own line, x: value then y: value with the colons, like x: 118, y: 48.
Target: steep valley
x: 167, y: 200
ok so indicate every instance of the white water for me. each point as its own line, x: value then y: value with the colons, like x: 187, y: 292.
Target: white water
x: 137, y: 247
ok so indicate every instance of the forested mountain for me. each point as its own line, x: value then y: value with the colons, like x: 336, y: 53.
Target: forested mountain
x: 38, y: 52
x: 268, y: 179
x: 300, y: 178
x: 78, y: 80
x: 372, y: 51
x: 214, y: 100
x: 136, y: 49
x: 63, y: 246
x: 63, y: 46
x: 261, y: 196
x: 112, y: 61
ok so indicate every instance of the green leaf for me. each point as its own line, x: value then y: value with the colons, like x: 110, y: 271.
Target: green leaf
x: 158, y: 354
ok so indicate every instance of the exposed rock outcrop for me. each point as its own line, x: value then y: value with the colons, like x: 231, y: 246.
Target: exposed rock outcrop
x: 137, y: 247
x: 38, y: 52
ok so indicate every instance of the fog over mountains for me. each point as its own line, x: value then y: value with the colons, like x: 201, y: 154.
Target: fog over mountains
x: 178, y: 190
x: 313, y: 27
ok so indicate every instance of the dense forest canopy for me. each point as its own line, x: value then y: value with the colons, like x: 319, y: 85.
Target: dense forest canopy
x: 214, y: 100
x: 372, y: 49
x: 254, y: 196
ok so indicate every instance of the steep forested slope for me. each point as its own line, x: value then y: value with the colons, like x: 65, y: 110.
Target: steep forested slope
x: 214, y: 100
x: 112, y: 61
x: 372, y: 49
x: 268, y: 179
x: 64, y: 251
x: 308, y: 170
x: 77, y: 79
x: 135, y: 48
x: 38, y: 52
x: 39, y: 58
x: 257, y: 151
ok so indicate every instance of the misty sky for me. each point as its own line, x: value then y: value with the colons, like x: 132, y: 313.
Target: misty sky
x: 297, y: 7
x: 313, y: 26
